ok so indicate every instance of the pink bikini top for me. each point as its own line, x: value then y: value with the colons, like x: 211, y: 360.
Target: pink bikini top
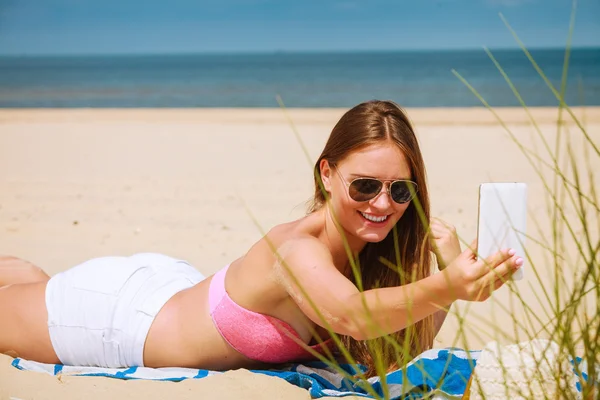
x: 257, y: 336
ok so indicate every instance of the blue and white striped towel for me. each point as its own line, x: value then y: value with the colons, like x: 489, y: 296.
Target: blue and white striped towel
x: 436, y: 373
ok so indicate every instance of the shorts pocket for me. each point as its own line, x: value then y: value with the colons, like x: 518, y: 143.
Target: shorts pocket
x: 112, y: 354
x: 106, y: 275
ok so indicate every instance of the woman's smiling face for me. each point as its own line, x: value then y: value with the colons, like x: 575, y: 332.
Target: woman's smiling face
x: 371, y: 220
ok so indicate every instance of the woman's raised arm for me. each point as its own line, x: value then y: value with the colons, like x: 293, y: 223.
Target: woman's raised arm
x: 329, y: 299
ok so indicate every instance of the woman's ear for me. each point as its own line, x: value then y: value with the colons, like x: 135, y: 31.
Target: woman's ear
x: 326, y: 173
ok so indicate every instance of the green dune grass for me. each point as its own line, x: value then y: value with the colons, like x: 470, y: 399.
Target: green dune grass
x: 570, y: 303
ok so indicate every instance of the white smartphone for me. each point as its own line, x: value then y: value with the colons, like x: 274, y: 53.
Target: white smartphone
x: 502, y: 220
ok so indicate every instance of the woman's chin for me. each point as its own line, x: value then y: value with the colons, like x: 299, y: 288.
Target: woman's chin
x: 372, y: 237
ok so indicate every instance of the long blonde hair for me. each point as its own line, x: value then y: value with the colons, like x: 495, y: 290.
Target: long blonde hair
x: 366, y: 124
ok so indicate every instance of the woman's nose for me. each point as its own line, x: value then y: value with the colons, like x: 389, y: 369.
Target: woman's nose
x: 382, y: 201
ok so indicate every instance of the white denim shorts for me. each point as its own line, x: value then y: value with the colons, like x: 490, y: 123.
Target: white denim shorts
x: 100, y: 312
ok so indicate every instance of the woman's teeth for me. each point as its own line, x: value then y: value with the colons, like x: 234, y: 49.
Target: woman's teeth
x: 373, y: 218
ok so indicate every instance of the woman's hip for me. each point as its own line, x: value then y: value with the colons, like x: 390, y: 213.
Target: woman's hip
x: 100, y: 311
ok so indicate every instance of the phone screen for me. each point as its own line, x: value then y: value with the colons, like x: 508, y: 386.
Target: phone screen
x: 502, y: 220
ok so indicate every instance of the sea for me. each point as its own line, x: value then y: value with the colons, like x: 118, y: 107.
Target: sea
x: 336, y: 79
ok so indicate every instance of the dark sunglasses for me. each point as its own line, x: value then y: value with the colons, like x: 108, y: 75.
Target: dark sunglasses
x: 365, y: 189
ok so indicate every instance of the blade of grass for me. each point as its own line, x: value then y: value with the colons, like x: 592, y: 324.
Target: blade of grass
x: 549, y: 84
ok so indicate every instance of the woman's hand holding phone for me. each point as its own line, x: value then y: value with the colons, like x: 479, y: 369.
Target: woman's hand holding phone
x: 476, y: 280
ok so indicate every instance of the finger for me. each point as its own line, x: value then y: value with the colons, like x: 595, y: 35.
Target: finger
x: 443, y: 224
x: 437, y: 234
x: 441, y: 231
x: 438, y: 225
x: 471, y: 250
x: 438, y: 220
x: 497, y: 258
x: 503, y: 272
x: 505, y: 269
x: 497, y: 280
x: 433, y: 225
x: 501, y: 281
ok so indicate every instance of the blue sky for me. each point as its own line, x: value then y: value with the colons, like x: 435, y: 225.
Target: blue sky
x: 181, y: 26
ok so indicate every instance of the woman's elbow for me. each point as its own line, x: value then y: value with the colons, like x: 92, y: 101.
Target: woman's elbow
x: 350, y: 319
x: 357, y: 328
x: 364, y: 328
x: 345, y: 324
x: 353, y: 331
x: 364, y: 333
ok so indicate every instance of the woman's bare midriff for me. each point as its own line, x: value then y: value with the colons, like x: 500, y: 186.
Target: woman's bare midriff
x: 184, y: 335
x: 27, y: 335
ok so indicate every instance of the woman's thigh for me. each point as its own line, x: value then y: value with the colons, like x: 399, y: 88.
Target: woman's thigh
x: 24, y: 319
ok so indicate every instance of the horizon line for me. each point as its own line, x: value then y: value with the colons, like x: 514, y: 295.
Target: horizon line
x: 306, y: 51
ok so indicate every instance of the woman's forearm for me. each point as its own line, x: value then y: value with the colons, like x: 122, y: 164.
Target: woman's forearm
x: 377, y: 312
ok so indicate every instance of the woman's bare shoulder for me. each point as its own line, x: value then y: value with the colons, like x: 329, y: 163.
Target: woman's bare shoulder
x: 306, y: 245
x: 295, y: 241
x: 290, y: 237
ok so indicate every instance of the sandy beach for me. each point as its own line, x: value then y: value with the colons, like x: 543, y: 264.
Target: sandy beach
x: 190, y: 183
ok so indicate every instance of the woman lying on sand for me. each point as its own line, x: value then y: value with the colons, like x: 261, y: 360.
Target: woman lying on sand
x: 273, y: 304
